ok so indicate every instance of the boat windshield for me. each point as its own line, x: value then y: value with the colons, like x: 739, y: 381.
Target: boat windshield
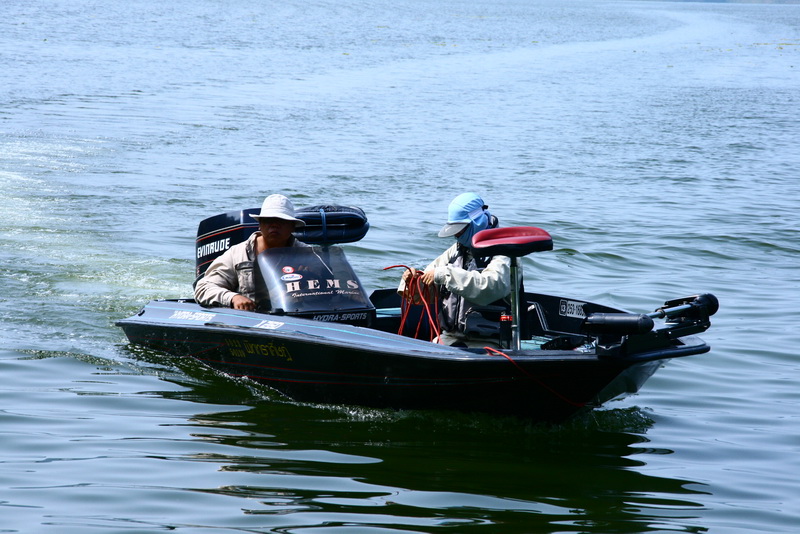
x: 311, y: 280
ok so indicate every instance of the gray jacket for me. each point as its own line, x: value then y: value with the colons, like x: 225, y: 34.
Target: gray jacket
x: 234, y: 272
x: 465, y: 288
x: 479, y: 287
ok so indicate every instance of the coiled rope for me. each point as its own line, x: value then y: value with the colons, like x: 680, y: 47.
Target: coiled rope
x: 417, y: 293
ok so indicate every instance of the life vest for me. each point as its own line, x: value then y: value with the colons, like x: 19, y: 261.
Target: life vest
x: 459, y: 316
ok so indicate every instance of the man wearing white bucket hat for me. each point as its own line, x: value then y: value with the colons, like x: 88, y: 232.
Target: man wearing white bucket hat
x: 467, y: 284
x: 232, y: 279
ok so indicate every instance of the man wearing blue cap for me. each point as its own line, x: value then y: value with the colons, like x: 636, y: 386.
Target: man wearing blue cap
x: 466, y: 283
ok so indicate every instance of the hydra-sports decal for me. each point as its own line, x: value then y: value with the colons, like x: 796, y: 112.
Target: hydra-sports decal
x: 204, y: 317
x: 357, y: 316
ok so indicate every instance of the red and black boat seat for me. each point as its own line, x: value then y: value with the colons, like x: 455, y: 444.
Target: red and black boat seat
x: 514, y: 241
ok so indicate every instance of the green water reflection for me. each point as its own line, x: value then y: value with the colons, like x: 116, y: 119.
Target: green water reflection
x: 420, y: 471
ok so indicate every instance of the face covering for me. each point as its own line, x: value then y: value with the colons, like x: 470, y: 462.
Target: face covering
x: 481, y: 222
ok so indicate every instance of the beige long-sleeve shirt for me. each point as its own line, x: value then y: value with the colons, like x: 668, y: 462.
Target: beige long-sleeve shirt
x: 479, y: 287
x: 233, y: 273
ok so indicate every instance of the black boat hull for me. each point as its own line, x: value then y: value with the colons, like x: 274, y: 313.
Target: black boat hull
x: 333, y: 363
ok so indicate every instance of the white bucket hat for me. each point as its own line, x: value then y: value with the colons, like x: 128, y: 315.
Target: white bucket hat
x: 278, y: 207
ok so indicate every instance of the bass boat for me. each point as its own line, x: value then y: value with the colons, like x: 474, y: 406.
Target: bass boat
x: 325, y: 340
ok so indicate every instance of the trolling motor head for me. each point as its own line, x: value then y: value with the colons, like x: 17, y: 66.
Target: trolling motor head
x: 695, y: 307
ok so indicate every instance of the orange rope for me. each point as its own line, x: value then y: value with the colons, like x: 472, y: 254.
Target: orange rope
x: 417, y: 292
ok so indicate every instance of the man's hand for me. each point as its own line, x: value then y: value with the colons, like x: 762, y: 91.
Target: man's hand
x: 427, y: 276
x: 423, y: 278
x: 408, y: 274
x: 240, y: 302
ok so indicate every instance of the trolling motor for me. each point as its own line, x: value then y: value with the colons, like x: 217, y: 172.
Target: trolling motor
x: 683, y: 311
x: 331, y: 225
x: 683, y: 317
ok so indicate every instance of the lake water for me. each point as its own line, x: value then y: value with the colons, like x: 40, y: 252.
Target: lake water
x: 657, y: 142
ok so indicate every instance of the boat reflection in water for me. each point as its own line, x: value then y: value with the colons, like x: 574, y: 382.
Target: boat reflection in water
x: 325, y: 340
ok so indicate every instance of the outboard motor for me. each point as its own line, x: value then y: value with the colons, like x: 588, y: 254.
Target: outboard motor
x: 316, y: 283
x: 217, y: 234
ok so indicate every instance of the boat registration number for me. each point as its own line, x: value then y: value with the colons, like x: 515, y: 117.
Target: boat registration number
x: 571, y: 308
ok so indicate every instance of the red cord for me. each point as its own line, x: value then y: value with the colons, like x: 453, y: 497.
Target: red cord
x: 416, y: 291
x: 491, y: 350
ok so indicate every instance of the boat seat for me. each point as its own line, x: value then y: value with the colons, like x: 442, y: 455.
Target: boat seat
x: 514, y: 241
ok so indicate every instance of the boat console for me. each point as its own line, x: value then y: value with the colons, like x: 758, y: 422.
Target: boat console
x: 315, y: 282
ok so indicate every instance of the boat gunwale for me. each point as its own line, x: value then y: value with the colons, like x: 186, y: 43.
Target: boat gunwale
x: 407, y: 347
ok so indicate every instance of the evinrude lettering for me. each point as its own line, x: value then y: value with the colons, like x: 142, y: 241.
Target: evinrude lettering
x: 193, y: 316
x: 211, y: 248
x: 571, y: 308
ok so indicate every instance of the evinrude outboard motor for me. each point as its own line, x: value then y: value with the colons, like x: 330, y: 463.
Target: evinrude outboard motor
x: 317, y: 282
x: 217, y: 234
